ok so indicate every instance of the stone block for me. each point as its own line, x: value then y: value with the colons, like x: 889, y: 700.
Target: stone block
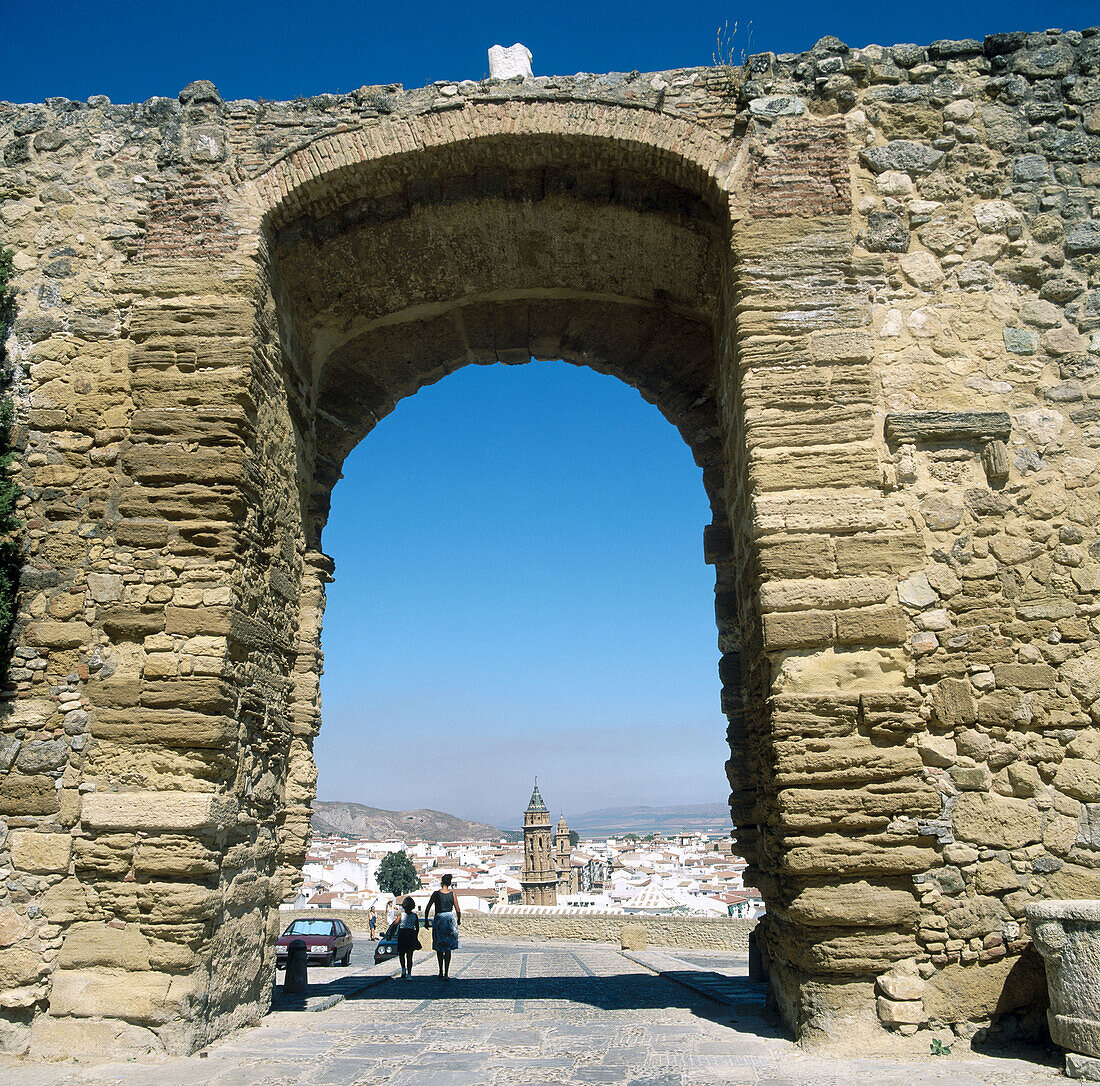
x: 20, y: 966
x: 95, y: 943
x: 28, y: 795
x: 900, y: 986
x: 1025, y: 676
x: 58, y: 635
x: 996, y: 821
x: 58, y: 1039
x: 144, y: 997
x: 158, y: 811
x: 900, y: 1012
x: 887, y: 552
x: 810, y: 593
x: 1085, y: 1068
x: 41, y: 853
x: 798, y: 629
x: 954, y: 703
x: 859, y: 904
x: 870, y: 626
x: 105, y: 587
x: 956, y: 993
x: 1080, y: 778
x: 189, y: 621
x: 632, y: 937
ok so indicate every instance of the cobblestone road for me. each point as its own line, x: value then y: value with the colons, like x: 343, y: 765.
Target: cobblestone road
x: 532, y: 1014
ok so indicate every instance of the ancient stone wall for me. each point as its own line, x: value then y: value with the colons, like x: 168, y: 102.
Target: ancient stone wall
x: 863, y: 285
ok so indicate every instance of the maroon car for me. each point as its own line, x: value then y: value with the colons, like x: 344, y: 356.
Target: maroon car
x: 328, y: 942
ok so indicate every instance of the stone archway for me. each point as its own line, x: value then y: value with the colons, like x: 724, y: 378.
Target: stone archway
x: 264, y: 281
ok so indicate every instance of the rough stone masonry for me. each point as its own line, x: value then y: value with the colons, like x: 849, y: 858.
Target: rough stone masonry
x: 864, y: 284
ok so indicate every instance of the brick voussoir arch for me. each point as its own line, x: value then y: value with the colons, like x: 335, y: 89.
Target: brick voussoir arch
x: 314, y: 177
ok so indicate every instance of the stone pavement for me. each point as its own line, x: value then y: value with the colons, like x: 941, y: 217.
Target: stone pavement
x: 534, y: 1013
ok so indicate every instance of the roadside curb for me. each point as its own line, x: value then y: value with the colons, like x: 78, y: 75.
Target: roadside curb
x: 693, y: 977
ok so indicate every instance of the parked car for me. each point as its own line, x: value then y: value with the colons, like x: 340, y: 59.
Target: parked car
x: 386, y: 947
x: 328, y: 942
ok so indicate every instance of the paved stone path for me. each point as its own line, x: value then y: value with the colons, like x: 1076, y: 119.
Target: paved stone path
x: 534, y: 1013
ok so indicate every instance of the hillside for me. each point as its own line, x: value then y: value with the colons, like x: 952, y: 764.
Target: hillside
x: 692, y: 817
x: 357, y: 820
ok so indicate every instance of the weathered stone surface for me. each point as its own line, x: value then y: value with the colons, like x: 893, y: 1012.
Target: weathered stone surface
x: 996, y: 821
x: 158, y: 811
x: 59, y: 1038
x: 904, y: 156
x: 978, y: 992
x: 42, y: 853
x: 855, y: 904
x: 1067, y: 934
x: 146, y: 998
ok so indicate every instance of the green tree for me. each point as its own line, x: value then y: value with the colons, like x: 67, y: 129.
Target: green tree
x: 396, y: 874
x: 631, y: 837
x: 574, y: 838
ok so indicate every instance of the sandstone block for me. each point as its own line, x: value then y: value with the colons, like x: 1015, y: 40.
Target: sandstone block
x: 798, y: 629
x: 158, y: 811
x: 956, y: 992
x: 1080, y: 778
x: 13, y: 927
x: 95, y: 943
x: 858, y: 904
x: 19, y: 966
x: 899, y: 1012
x: 1025, y: 676
x: 41, y: 853
x: 28, y: 795
x: 147, y: 998
x: 58, y: 635
x: 954, y: 703
x: 57, y: 1039
x: 986, y: 818
x: 809, y: 593
x: 105, y: 587
x: 871, y: 626
x: 67, y: 901
x: 632, y: 937
x: 189, y: 621
x: 901, y: 986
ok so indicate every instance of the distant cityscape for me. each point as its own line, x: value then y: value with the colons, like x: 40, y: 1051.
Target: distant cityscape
x: 692, y: 873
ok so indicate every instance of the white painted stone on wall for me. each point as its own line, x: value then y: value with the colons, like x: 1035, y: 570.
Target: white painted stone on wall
x: 507, y: 63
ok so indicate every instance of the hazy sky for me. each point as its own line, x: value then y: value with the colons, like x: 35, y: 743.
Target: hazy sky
x: 520, y: 586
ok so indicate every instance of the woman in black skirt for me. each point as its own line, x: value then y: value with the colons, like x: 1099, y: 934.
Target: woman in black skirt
x: 408, y: 936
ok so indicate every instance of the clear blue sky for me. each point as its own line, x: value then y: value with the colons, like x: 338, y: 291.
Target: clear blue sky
x: 131, y: 51
x: 520, y: 586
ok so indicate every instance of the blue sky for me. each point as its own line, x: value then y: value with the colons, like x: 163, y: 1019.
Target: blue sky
x: 520, y: 586
x: 131, y: 51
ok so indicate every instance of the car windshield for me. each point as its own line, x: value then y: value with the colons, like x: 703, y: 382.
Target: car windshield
x: 310, y: 927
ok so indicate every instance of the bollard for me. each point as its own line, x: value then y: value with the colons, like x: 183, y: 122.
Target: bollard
x: 296, y: 979
x: 757, y: 973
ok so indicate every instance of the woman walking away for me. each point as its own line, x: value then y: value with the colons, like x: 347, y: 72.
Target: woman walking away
x: 373, y: 921
x: 407, y: 940
x: 445, y: 926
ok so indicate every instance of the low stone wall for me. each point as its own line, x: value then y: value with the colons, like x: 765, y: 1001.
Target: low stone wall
x: 694, y: 932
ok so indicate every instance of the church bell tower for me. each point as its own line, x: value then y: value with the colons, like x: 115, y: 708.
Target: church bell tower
x: 540, y: 877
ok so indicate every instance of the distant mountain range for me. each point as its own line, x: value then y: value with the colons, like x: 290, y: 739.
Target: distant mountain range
x: 690, y: 818
x: 357, y: 820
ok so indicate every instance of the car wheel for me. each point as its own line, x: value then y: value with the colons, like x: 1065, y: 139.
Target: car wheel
x: 347, y: 958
